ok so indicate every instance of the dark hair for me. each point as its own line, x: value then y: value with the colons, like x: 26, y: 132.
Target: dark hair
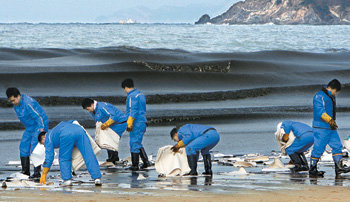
x: 40, y: 136
x: 128, y: 83
x: 334, y: 84
x: 12, y: 92
x: 173, y: 132
x: 87, y: 102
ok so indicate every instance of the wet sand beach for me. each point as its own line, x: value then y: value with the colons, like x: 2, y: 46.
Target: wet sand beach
x: 242, y: 95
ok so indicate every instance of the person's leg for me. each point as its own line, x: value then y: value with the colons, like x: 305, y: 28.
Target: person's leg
x: 337, y: 147
x: 34, y: 143
x: 192, y: 158
x: 141, y: 127
x: 136, y: 136
x: 210, y: 140
x: 65, y: 156
x: 297, y: 149
x: 85, y: 148
x: 321, y: 139
x: 24, y: 148
x: 203, y: 143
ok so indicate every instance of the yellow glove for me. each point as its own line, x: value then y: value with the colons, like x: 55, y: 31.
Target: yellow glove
x: 326, y: 117
x: 130, y: 122
x: 285, y: 138
x: 329, y: 120
x: 107, y: 124
x: 181, y: 144
x: 43, y: 176
x: 177, y: 147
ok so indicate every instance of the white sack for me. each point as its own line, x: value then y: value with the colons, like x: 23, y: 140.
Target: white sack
x: 77, y: 158
x: 347, y: 144
x: 106, y: 139
x: 169, y: 165
x: 38, y: 155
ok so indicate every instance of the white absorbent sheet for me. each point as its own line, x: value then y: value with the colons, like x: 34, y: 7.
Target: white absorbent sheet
x: 38, y: 155
x: 77, y: 158
x: 106, y: 139
x: 171, y: 164
x: 347, y: 144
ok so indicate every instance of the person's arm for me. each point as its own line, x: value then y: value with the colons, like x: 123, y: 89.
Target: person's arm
x: 133, y: 104
x: 108, y: 112
x: 39, y: 120
x: 287, y: 127
x: 320, y: 107
x: 49, y: 157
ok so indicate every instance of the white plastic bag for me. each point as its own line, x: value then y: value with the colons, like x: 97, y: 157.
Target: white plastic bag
x: 106, y: 139
x: 38, y: 155
x: 171, y: 164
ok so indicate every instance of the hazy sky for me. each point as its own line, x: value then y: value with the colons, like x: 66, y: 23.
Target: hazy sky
x: 109, y: 10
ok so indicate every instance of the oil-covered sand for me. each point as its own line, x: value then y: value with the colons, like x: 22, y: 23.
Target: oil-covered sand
x: 243, y: 95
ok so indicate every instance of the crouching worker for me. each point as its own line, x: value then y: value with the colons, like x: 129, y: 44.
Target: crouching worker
x: 294, y: 139
x: 65, y: 136
x: 111, y: 117
x: 196, y: 138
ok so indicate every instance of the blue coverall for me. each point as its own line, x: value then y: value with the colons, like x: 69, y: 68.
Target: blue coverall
x: 322, y: 103
x: 34, y: 118
x: 136, y: 108
x: 303, y: 133
x: 105, y: 111
x: 65, y: 136
x: 196, y: 139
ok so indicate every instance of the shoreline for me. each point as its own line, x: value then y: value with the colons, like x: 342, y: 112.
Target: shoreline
x: 305, y: 193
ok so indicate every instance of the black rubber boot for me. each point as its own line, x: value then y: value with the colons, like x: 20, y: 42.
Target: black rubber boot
x: 113, y: 156
x: 25, y: 162
x: 304, y: 163
x: 340, y: 168
x: 37, y: 172
x: 313, y: 172
x: 296, y: 161
x: 144, y: 158
x: 207, y: 165
x: 135, y: 161
x: 192, y: 163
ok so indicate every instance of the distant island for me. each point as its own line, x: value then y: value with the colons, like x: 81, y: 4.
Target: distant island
x: 284, y: 12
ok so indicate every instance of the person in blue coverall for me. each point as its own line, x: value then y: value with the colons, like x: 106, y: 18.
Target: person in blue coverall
x: 65, y: 136
x: 34, y: 119
x: 111, y: 117
x: 304, y: 139
x: 196, y: 138
x: 325, y: 129
x: 136, y: 123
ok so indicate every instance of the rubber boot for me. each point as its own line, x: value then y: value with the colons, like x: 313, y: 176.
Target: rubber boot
x: 37, y: 172
x: 135, y: 161
x: 295, y: 158
x: 115, y: 156
x: 144, y: 158
x: 339, y: 167
x: 192, y: 163
x: 304, y: 163
x: 313, y: 169
x: 25, y: 162
x: 207, y: 165
x: 110, y: 156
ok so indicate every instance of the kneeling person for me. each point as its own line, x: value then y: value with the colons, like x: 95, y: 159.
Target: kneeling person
x: 111, y: 117
x: 294, y: 139
x: 65, y: 136
x: 196, y: 138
